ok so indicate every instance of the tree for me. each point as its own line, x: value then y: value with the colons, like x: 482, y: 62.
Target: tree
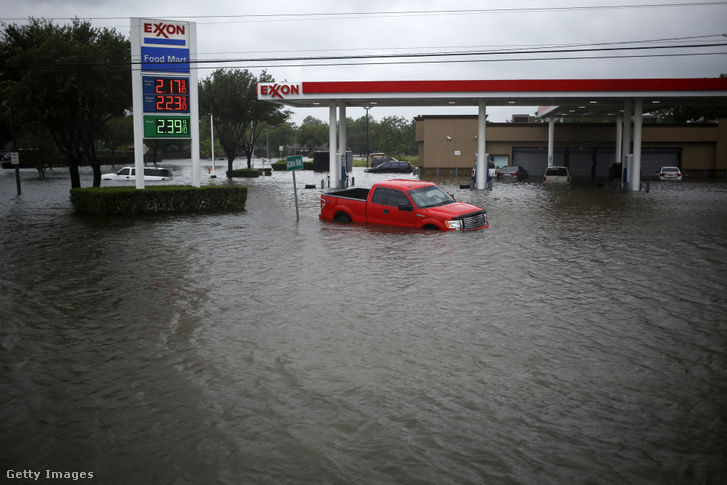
x: 313, y: 133
x: 118, y: 133
x: 691, y: 114
x: 205, y: 139
x: 239, y: 117
x: 70, y: 80
x: 394, y: 135
x: 283, y: 135
x: 356, y: 134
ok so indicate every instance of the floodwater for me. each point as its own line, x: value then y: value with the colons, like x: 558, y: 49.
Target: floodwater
x: 581, y: 339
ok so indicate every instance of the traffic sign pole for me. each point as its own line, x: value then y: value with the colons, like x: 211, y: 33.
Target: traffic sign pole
x: 15, y: 161
x: 291, y: 165
x: 295, y: 191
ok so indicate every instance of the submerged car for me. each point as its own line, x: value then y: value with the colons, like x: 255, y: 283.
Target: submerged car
x: 378, y: 159
x: 151, y: 174
x: 670, y: 173
x: 394, y: 166
x: 514, y: 172
x: 556, y: 175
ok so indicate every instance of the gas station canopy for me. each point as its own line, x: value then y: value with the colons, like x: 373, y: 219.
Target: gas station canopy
x: 556, y: 97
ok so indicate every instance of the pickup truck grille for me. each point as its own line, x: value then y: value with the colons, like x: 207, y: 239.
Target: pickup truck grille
x: 474, y: 220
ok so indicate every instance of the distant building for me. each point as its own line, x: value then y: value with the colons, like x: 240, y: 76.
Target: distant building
x: 588, y: 149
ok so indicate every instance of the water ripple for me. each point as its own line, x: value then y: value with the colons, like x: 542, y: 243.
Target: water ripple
x: 579, y: 339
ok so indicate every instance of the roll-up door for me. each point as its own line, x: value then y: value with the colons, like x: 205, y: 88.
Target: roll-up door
x: 580, y: 162
x: 535, y: 160
x: 653, y: 159
x: 605, y: 158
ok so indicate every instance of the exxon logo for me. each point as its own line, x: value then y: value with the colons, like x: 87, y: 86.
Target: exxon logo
x: 165, y: 30
x: 274, y: 90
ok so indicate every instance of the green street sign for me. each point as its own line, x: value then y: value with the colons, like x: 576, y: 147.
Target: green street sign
x: 293, y: 163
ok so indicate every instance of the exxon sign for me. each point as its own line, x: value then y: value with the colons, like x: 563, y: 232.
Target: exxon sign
x: 165, y: 46
x: 164, y: 32
x: 278, y: 91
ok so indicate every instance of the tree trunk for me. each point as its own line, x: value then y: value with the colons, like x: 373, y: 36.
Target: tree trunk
x: 75, y: 177
x: 95, y: 165
x: 96, y: 173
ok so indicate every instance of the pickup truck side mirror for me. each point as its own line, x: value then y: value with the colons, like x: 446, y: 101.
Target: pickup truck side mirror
x: 406, y: 207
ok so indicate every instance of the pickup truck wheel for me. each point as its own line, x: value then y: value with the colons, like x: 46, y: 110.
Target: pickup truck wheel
x: 342, y: 217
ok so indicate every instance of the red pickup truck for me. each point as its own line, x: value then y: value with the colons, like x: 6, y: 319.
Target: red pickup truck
x: 399, y: 202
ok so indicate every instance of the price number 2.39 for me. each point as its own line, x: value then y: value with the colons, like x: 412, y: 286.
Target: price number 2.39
x: 167, y: 126
x: 173, y: 126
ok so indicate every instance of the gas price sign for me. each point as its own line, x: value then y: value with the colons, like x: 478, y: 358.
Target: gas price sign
x: 167, y: 127
x: 165, y: 94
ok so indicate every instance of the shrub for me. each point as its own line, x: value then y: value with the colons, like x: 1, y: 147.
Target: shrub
x: 249, y: 172
x: 113, y: 201
x: 243, y: 172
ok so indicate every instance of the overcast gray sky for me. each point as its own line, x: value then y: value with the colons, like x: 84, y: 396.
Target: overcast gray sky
x: 609, y: 35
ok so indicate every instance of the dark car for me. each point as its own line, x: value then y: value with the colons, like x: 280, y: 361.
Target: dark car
x: 376, y: 161
x: 514, y: 172
x: 615, y: 171
x: 391, y: 167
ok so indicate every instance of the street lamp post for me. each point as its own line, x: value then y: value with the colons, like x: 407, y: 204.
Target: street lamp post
x: 367, y: 108
x: 212, y: 145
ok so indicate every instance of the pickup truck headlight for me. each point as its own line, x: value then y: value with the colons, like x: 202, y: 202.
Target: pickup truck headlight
x: 454, y: 225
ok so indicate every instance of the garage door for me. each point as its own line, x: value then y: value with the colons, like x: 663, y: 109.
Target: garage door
x: 652, y: 160
x: 535, y: 160
x: 605, y: 158
x: 580, y: 162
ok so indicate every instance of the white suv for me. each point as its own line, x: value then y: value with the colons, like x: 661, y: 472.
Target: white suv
x: 150, y: 174
x: 556, y: 175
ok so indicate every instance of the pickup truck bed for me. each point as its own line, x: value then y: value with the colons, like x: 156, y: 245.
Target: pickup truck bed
x: 354, y: 193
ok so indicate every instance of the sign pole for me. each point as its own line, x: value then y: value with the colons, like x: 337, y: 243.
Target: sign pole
x: 295, y: 191
x: 291, y: 165
x: 15, y: 161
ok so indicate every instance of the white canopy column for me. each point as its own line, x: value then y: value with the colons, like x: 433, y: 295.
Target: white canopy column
x: 619, y: 138
x: 342, y: 141
x: 334, y: 171
x: 551, y: 140
x: 638, y: 125
x: 626, y: 142
x: 482, y: 170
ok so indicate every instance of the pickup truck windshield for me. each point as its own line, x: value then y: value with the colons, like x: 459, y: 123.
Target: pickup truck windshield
x: 430, y: 197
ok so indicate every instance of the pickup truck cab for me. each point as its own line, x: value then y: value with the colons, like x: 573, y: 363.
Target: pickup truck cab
x: 400, y: 202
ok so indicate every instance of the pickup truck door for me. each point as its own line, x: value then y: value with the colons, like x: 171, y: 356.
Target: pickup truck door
x: 384, y: 208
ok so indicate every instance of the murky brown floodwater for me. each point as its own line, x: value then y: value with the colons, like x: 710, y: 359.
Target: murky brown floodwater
x: 582, y: 338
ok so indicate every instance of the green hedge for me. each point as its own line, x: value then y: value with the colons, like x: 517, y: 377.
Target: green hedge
x: 249, y: 172
x: 115, y: 201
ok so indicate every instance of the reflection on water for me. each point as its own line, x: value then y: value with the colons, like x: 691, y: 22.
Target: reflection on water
x: 580, y: 339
